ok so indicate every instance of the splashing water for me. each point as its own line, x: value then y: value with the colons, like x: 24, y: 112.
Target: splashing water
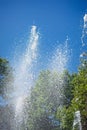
x: 60, y: 58
x: 23, y: 82
x: 84, y: 37
x: 77, y: 121
x: 23, y: 78
x: 84, y: 32
x: 59, y: 63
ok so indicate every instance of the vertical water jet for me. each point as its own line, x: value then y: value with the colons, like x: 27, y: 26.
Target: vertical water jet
x: 77, y: 121
x: 23, y: 80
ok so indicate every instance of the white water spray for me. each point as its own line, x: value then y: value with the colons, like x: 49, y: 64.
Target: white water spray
x: 58, y: 65
x: 60, y: 58
x: 23, y: 77
x: 77, y: 121
x: 84, y: 37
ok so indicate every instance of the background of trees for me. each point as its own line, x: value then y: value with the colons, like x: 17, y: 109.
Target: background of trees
x: 6, y: 111
x: 53, y: 101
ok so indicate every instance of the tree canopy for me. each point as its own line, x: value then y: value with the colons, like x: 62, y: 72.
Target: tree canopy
x: 53, y: 99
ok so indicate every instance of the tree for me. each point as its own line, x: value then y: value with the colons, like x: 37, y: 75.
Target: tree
x: 49, y: 105
x: 65, y: 113
x: 79, y: 101
x: 5, y: 75
x: 68, y: 88
x: 6, y: 111
x: 46, y: 97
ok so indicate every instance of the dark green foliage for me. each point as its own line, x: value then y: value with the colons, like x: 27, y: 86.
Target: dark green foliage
x: 6, y: 78
x: 68, y: 88
x: 4, y: 70
x: 79, y: 101
x: 65, y: 113
x: 6, y: 111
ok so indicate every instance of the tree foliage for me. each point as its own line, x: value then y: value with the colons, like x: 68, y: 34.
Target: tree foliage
x: 49, y: 97
x: 4, y: 71
x: 6, y: 112
x: 79, y: 101
x: 46, y: 97
x: 55, y: 98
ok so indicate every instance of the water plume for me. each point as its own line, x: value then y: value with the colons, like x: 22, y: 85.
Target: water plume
x: 60, y: 58
x: 58, y: 65
x: 84, y: 32
x: 77, y: 121
x: 23, y: 77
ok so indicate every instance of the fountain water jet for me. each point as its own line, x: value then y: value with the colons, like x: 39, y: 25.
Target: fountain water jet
x: 77, y: 121
x: 23, y: 80
x: 60, y: 58
x: 84, y: 37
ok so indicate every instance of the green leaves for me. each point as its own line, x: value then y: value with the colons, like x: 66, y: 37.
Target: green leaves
x: 45, y: 99
x: 3, y: 74
x: 6, y: 78
x: 54, y: 98
x: 50, y: 96
x: 79, y: 101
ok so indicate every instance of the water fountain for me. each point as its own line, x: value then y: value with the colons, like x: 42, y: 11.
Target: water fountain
x: 84, y: 37
x: 23, y: 78
x: 22, y: 81
x: 77, y: 121
x: 60, y: 57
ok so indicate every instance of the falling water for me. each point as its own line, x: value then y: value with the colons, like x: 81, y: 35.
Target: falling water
x: 23, y: 80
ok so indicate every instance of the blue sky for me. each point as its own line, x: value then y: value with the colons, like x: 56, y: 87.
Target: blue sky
x: 55, y: 20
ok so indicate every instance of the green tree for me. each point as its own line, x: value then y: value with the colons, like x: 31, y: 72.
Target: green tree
x: 4, y: 70
x: 6, y: 112
x: 46, y: 97
x: 65, y: 113
x: 6, y: 78
x: 68, y: 88
x: 49, y: 107
x: 79, y: 101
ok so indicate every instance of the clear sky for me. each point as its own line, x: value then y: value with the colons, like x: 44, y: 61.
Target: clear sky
x: 55, y: 20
